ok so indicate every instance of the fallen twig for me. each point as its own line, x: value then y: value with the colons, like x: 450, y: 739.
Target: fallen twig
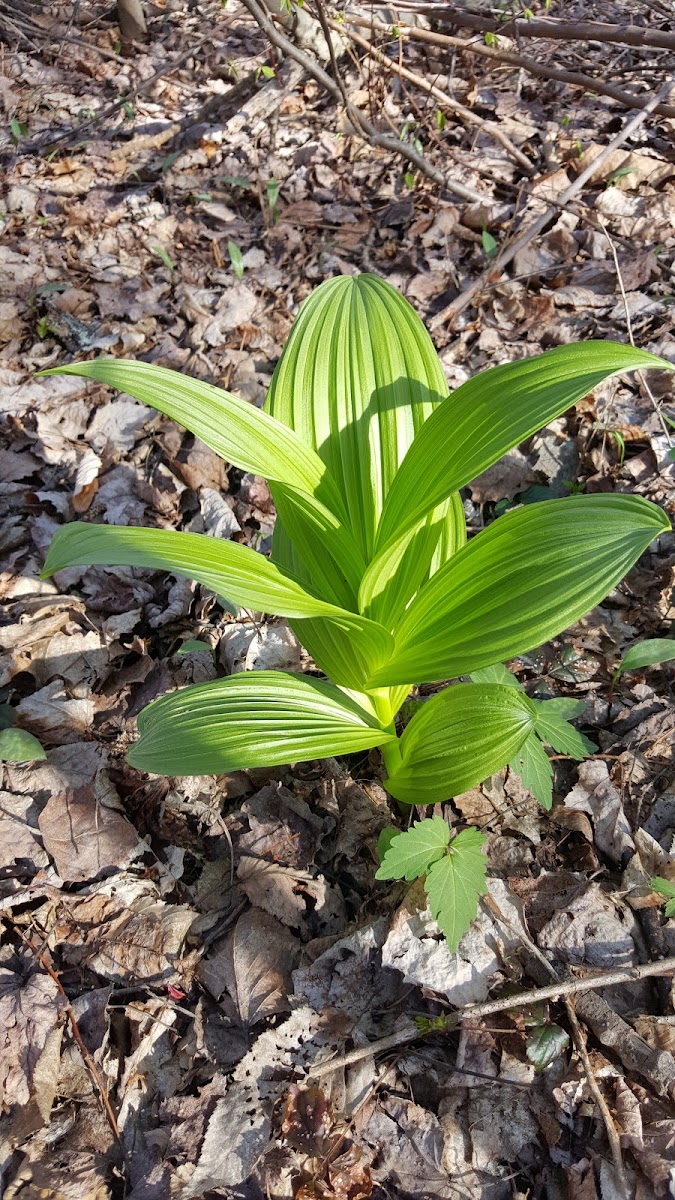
x: 358, y: 119
x: 553, y: 991
x: 443, y: 98
x: 505, y: 256
x: 89, y: 1063
x: 540, y: 70
x: 544, y: 27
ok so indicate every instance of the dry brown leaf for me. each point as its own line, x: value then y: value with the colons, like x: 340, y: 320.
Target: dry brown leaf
x: 294, y: 896
x: 596, y: 795
x: 254, y: 965
x: 86, y: 834
x: 31, y: 1016
x: 125, y: 931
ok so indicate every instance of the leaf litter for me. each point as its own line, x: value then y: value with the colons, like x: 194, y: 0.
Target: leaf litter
x: 216, y: 938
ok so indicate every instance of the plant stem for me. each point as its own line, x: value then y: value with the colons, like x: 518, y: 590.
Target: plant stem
x: 391, y: 751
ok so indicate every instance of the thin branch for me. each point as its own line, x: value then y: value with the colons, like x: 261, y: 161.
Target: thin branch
x: 554, y: 991
x: 449, y: 314
x: 443, y: 98
x: 579, y: 1043
x: 547, y: 28
x: 86, y: 1056
x: 540, y: 70
x: 358, y: 119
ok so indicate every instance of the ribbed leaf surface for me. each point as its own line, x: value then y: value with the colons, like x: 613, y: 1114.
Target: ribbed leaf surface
x: 492, y: 412
x: 353, y: 645
x: 256, y: 719
x: 522, y: 581
x: 358, y: 377
x: 458, y: 738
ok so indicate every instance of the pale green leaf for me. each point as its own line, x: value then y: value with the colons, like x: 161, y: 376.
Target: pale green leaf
x: 524, y: 579
x: 254, y: 719
x: 457, y: 739
x: 545, y: 1044
x: 554, y: 729
x: 352, y: 643
x: 663, y: 887
x: 533, y: 765
x: 497, y: 673
x: 412, y: 852
x: 306, y: 495
x: 490, y: 414
x: 564, y: 706
x: 455, y: 883
x: 237, y: 431
x: 358, y: 377
x: 392, y: 579
x: 647, y: 654
x: 17, y: 746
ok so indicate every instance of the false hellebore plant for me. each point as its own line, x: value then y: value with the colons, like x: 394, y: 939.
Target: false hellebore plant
x: 365, y: 453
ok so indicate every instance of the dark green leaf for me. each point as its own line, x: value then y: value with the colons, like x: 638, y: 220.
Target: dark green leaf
x: 534, y: 767
x: 545, y: 1044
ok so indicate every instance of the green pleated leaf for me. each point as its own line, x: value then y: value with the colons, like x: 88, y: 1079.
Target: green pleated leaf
x: 455, y: 883
x: 393, y: 577
x: 410, y: 853
x: 237, y: 431
x: 459, y: 738
x: 521, y: 581
x: 256, y: 442
x: 255, y: 719
x: 358, y: 377
x: 352, y: 643
x: 490, y: 414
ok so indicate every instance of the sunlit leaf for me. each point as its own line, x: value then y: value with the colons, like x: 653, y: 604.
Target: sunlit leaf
x: 524, y: 579
x: 647, y: 654
x: 455, y: 883
x: 411, y: 853
x: 254, y: 719
x: 534, y: 766
x: 490, y: 414
x: 457, y: 739
x: 358, y: 377
x: 247, y: 578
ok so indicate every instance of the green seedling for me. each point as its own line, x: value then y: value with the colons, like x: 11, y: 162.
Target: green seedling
x: 164, y: 256
x: 665, y: 888
x: 365, y: 453
x: 649, y: 653
x: 236, y: 258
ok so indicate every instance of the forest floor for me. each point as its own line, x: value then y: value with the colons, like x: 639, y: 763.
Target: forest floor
x: 178, y: 955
